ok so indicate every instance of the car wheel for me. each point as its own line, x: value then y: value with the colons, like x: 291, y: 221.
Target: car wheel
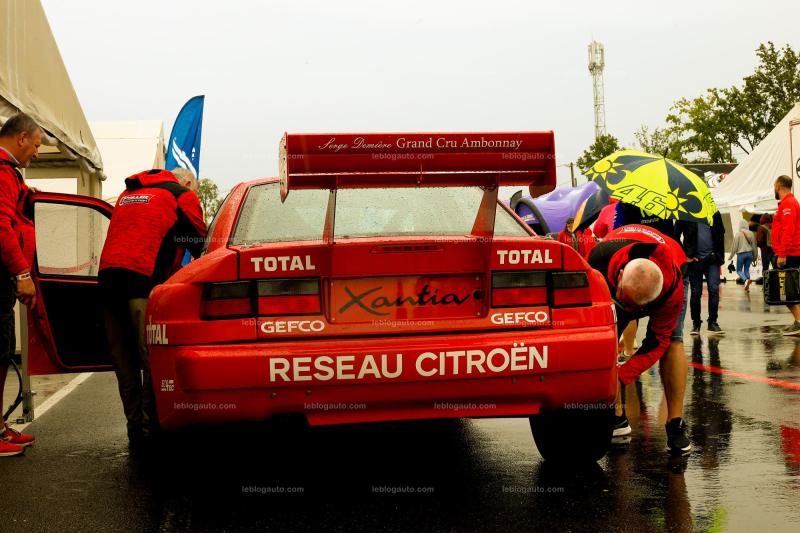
x: 573, y: 436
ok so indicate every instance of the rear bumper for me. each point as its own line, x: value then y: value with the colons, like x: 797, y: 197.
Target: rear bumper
x: 335, y: 381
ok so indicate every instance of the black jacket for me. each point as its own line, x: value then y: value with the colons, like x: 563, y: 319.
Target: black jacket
x: 630, y: 214
x: 688, y: 230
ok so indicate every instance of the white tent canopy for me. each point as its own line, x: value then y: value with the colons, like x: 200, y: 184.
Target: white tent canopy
x: 33, y: 80
x: 750, y: 185
x: 127, y: 147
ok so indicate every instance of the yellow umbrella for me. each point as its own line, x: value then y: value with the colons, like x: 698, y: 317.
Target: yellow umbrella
x: 657, y: 185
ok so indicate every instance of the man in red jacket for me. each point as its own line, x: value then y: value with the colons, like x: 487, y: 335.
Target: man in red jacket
x: 155, y: 220
x: 605, y: 220
x: 20, y: 138
x: 786, y: 238
x: 644, y: 272
x: 581, y: 241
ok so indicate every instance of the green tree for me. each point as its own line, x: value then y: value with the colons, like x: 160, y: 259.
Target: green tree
x: 707, y: 127
x: 766, y: 95
x: 210, y: 199
x: 661, y: 141
x: 603, y: 146
x: 704, y: 127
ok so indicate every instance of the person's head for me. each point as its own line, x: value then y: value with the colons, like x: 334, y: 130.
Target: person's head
x: 569, y: 223
x: 743, y: 225
x: 21, y: 136
x: 187, y: 179
x: 766, y: 218
x: 639, y: 283
x: 783, y: 186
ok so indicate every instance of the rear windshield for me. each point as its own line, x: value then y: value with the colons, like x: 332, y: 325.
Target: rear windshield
x: 424, y: 211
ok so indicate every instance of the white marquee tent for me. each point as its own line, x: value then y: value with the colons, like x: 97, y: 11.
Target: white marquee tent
x: 749, y: 187
x: 33, y: 79
x: 127, y: 147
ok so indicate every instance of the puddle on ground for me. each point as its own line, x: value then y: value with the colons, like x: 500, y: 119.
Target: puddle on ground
x: 767, y: 330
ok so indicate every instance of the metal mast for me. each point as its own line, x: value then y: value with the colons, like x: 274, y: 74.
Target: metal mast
x: 596, y: 64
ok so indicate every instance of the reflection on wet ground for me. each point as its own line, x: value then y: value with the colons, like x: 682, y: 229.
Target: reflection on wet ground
x: 458, y: 475
x: 743, y: 410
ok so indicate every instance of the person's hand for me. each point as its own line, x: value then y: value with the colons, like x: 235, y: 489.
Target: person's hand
x: 33, y: 190
x: 26, y: 292
x: 781, y: 262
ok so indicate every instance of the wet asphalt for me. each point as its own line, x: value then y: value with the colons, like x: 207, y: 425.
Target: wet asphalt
x: 742, y: 408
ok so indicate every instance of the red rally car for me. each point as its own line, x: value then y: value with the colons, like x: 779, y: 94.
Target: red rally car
x: 378, y: 278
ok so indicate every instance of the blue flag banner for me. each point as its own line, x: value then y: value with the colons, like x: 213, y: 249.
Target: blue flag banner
x: 183, y: 149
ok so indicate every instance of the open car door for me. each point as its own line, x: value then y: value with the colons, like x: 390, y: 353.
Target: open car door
x: 65, y: 328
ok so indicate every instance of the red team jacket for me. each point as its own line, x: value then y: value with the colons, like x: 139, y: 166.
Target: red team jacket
x: 605, y: 221
x: 154, y: 221
x: 582, y: 241
x: 17, y: 236
x: 613, y: 253
x: 786, y: 227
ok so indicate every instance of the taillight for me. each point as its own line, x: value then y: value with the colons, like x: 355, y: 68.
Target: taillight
x: 531, y: 288
x: 228, y: 300
x: 514, y: 289
x: 297, y: 296
x: 570, y: 289
x: 289, y: 297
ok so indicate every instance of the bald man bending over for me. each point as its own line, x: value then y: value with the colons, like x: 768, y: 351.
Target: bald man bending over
x: 644, y: 270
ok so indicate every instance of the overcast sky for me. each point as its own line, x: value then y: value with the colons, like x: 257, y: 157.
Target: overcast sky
x: 270, y: 67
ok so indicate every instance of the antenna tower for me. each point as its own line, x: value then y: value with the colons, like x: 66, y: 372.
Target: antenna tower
x: 596, y: 64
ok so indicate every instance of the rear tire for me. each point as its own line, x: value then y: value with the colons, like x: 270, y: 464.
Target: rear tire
x: 573, y: 436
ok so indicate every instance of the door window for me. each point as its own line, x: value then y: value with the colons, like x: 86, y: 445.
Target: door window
x: 69, y: 239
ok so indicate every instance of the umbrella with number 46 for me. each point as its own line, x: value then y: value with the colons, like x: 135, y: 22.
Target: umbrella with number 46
x: 657, y: 185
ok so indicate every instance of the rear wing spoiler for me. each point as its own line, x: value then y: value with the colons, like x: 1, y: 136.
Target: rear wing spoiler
x: 352, y: 160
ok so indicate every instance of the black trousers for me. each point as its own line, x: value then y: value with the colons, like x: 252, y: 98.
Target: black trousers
x: 8, y: 338
x: 125, y: 330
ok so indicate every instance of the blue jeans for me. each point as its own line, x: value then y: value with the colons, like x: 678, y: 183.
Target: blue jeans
x: 677, y: 333
x: 708, y: 268
x: 743, y: 261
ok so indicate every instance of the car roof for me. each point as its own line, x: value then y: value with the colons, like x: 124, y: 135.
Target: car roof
x: 259, y: 181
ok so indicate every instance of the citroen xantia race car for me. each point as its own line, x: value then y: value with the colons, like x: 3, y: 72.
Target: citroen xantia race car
x: 377, y: 278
